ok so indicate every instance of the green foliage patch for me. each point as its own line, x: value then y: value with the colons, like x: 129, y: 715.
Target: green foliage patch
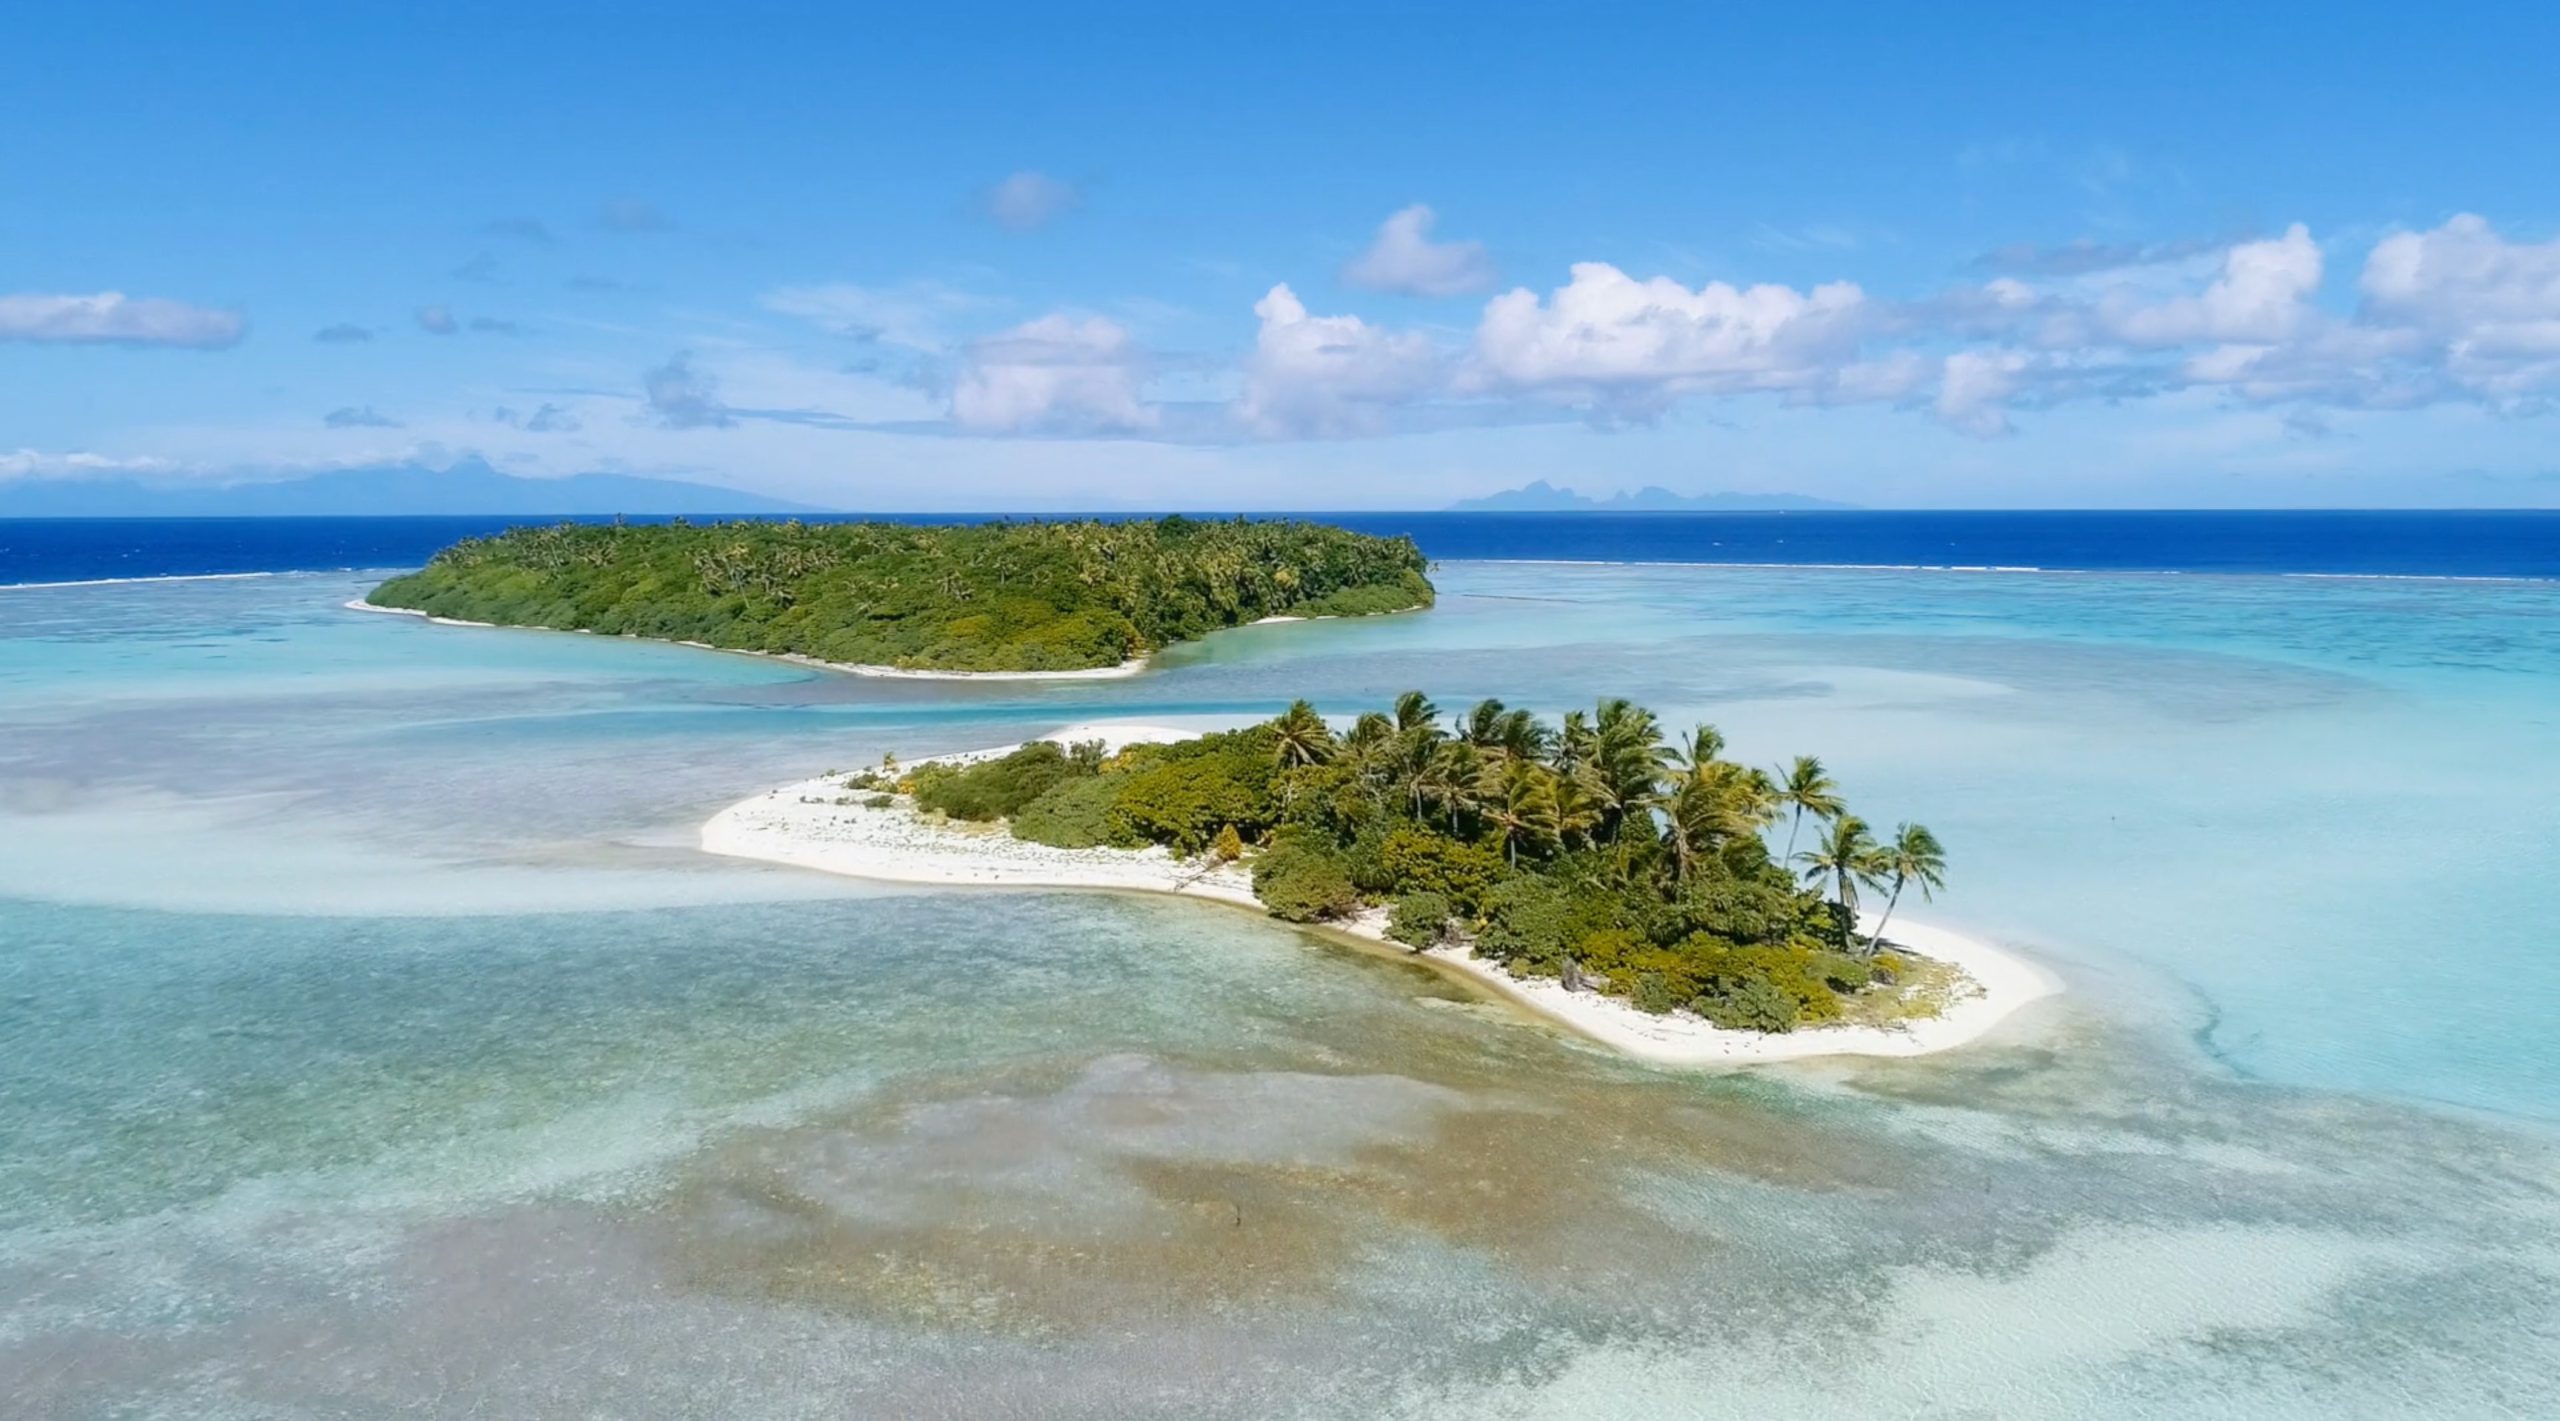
x: 1004, y: 596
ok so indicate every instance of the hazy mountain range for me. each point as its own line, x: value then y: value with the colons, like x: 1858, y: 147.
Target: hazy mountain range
x: 1544, y: 497
x: 469, y: 486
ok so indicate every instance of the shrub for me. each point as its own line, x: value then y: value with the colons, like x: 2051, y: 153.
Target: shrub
x: 1749, y: 1006
x: 1301, y: 883
x: 994, y: 789
x: 1419, y: 920
x: 1228, y: 846
x: 1420, y: 859
x: 1652, y: 993
x: 879, y: 801
x: 1073, y: 814
x: 1801, y: 975
x: 1181, y: 803
x: 1525, y: 921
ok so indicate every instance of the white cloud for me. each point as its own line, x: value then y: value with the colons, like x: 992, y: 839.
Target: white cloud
x: 1974, y: 389
x: 1634, y: 345
x: 437, y: 321
x: 1403, y: 259
x: 1054, y: 373
x: 35, y: 464
x: 681, y: 397
x: 1328, y: 374
x: 1027, y: 201
x: 113, y: 318
x: 916, y: 315
x: 2262, y: 296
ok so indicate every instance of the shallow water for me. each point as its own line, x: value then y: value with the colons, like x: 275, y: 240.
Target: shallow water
x: 375, y: 1041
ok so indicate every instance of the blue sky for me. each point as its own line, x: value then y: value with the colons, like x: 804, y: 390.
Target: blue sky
x: 1315, y: 256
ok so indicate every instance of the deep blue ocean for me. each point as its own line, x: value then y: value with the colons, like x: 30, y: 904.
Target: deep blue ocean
x: 2464, y: 543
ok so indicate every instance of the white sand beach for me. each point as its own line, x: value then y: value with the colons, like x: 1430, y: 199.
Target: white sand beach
x: 819, y: 824
x: 1130, y: 667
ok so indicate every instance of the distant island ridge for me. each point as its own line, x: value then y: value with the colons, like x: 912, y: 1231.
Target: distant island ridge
x: 471, y: 486
x: 1543, y: 497
x: 468, y: 486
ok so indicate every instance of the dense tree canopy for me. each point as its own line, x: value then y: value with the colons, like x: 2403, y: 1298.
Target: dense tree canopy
x: 1010, y: 596
x: 1598, y: 847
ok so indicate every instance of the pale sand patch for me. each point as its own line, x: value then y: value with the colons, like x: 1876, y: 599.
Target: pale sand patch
x: 1130, y: 667
x: 819, y: 824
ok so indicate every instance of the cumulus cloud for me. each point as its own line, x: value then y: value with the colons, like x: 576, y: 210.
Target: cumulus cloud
x: 343, y: 333
x: 437, y: 321
x: 1027, y: 201
x: 1328, y: 374
x: 1630, y: 346
x: 681, y: 397
x: 1403, y: 259
x: 2261, y: 296
x: 1974, y: 390
x: 1057, y: 373
x: 358, y: 417
x: 2491, y: 306
x: 113, y: 318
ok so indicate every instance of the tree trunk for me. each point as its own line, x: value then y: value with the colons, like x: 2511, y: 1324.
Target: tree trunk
x: 1875, y: 943
x: 1794, y: 829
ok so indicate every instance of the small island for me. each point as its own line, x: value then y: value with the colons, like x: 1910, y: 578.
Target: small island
x: 1638, y: 887
x: 1036, y: 598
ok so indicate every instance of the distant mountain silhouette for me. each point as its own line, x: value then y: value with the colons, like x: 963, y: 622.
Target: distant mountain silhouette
x: 1544, y: 497
x: 470, y: 486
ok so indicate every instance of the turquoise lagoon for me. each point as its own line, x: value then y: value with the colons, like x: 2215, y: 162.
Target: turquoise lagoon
x: 373, y: 1041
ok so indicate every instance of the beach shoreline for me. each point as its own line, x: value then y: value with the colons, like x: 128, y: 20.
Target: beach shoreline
x: 819, y: 824
x: 1130, y: 667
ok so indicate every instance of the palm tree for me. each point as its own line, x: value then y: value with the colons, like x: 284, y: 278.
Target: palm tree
x: 1713, y: 805
x: 1418, y: 738
x: 1704, y: 744
x: 1519, y: 799
x: 1914, y: 856
x: 1845, y: 855
x: 1452, y: 778
x: 1483, y: 727
x: 1628, y: 759
x: 1298, y: 738
x: 1806, y: 787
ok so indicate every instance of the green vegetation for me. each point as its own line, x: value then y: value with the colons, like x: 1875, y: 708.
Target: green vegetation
x: 1596, y: 849
x: 1030, y: 596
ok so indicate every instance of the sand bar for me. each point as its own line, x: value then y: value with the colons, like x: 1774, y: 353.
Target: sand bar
x: 818, y: 824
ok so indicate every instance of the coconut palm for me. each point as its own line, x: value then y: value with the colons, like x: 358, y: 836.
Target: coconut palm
x: 1452, y: 778
x: 1914, y: 856
x: 1628, y: 758
x: 1414, y: 711
x: 1482, y: 725
x: 1300, y: 737
x: 1713, y: 805
x: 1519, y: 800
x: 1806, y: 788
x: 1845, y: 856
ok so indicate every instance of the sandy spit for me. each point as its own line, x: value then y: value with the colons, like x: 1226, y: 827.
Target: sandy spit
x: 818, y: 824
